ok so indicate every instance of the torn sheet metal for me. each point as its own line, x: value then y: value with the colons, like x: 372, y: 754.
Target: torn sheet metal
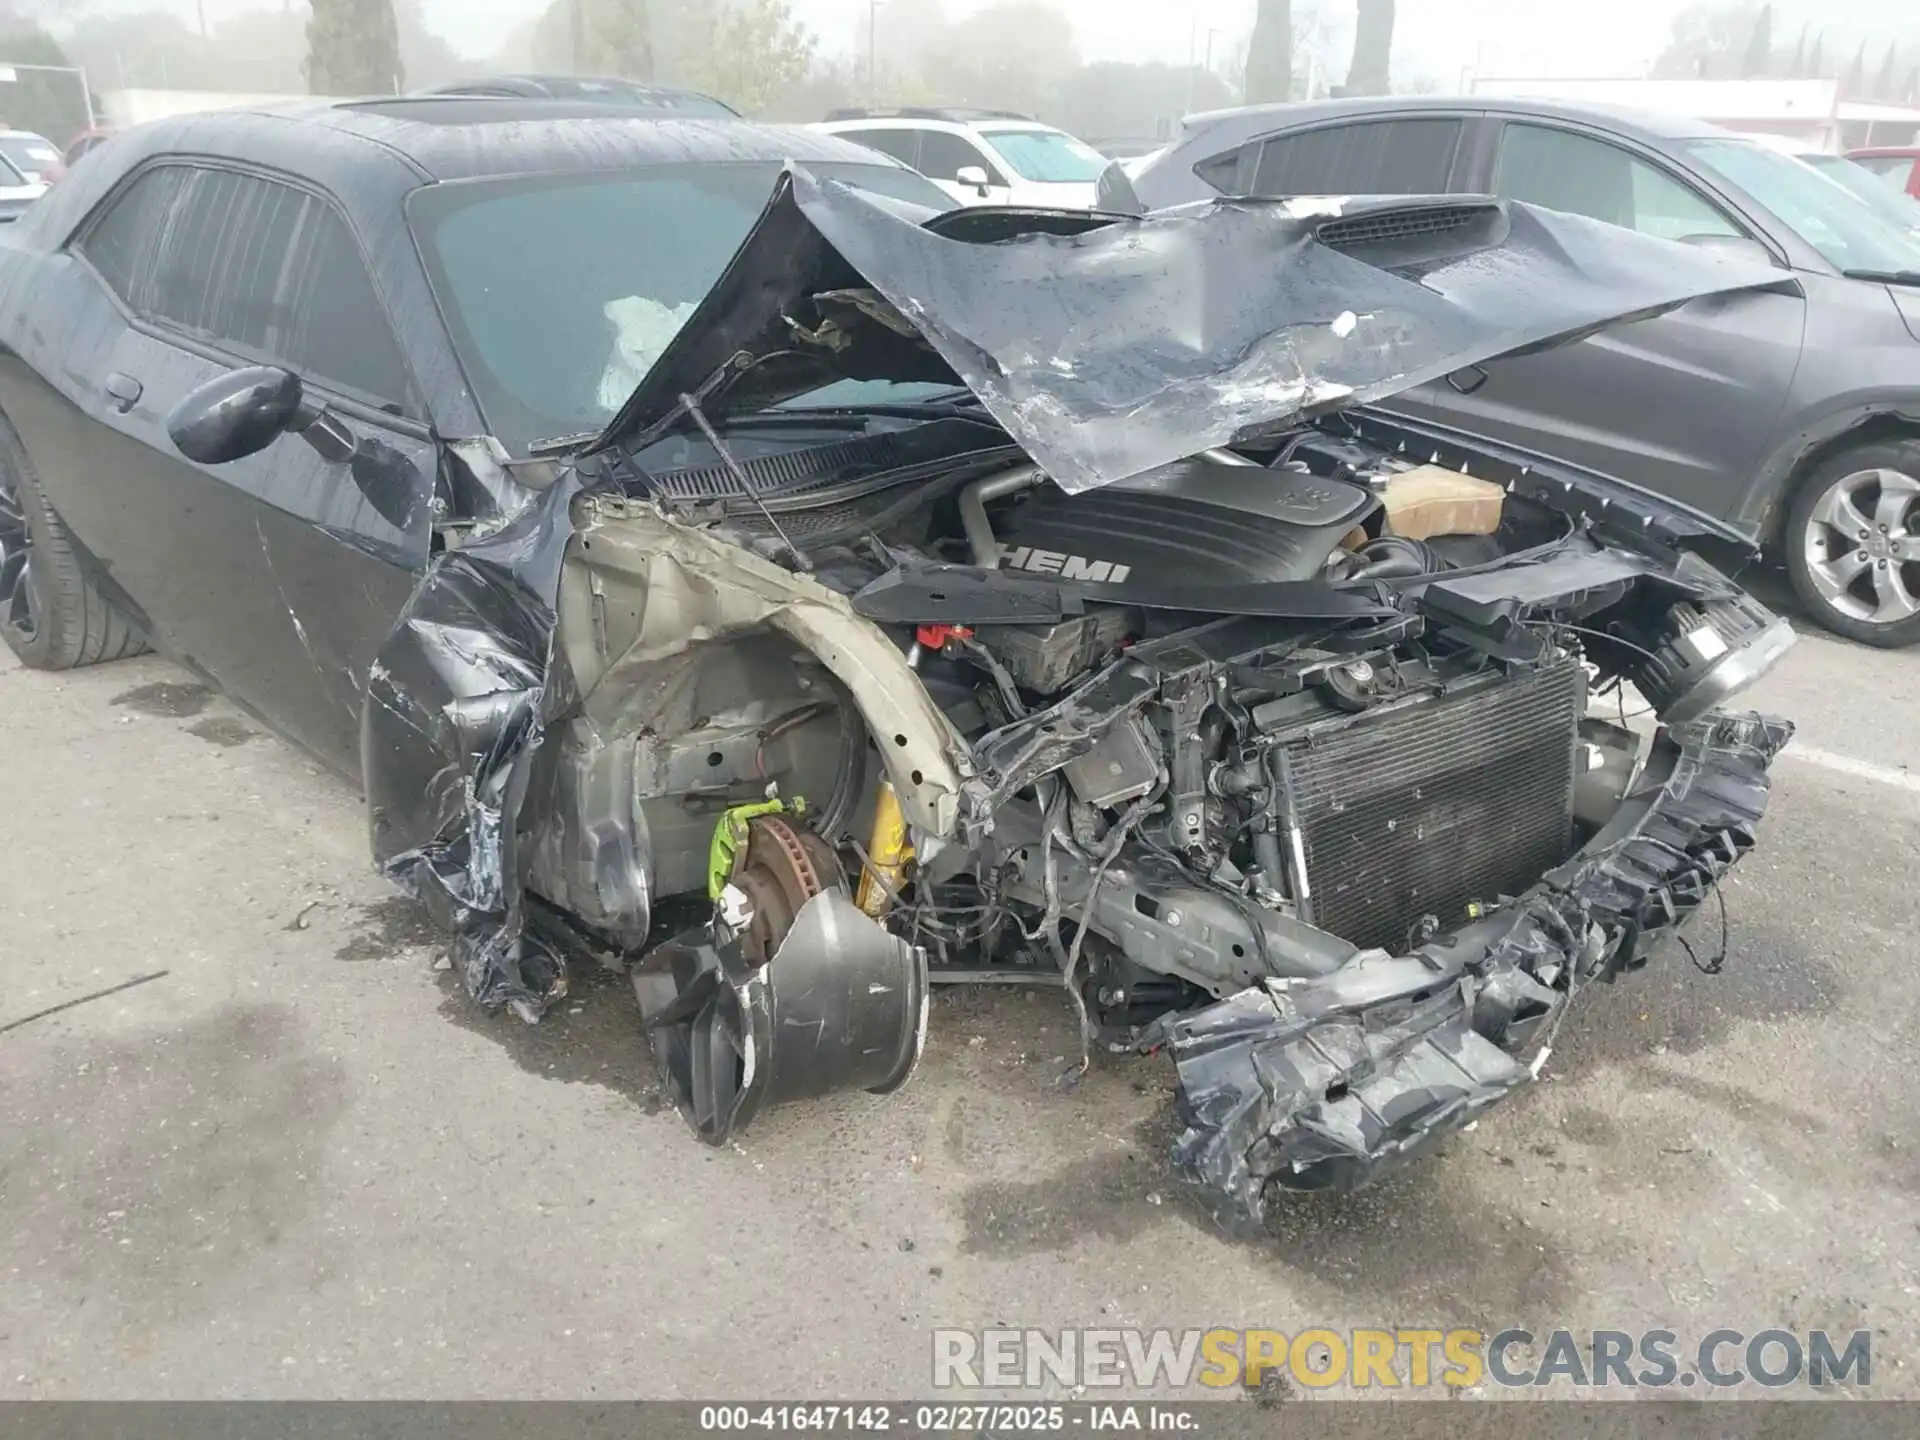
x: 687, y: 585
x: 1325, y: 1083
x: 459, y: 697
x: 464, y: 691
x: 1110, y: 345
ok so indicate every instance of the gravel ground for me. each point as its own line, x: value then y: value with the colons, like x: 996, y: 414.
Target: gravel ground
x: 301, y: 1164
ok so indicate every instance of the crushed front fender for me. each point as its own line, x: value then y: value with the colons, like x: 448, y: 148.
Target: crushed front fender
x: 1326, y: 1083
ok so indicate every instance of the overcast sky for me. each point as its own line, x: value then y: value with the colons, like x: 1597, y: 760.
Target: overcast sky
x: 1438, y: 38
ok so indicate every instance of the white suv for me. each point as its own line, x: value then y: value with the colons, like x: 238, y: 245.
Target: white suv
x: 980, y: 157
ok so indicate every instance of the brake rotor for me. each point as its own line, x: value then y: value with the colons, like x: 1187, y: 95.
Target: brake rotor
x: 785, y: 867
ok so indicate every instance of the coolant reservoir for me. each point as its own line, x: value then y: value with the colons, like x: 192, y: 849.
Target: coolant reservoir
x: 1427, y: 501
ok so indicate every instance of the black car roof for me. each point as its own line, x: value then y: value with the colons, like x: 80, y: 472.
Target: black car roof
x: 456, y: 137
x: 533, y: 84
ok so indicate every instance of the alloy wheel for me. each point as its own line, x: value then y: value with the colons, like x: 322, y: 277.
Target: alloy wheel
x: 18, y: 612
x: 1862, y: 546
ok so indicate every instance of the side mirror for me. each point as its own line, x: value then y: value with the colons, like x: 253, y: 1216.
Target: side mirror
x: 1114, y: 191
x: 242, y: 412
x: 974, y: 175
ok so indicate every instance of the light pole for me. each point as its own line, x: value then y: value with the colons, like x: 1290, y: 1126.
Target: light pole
x: 873, y: 51
x: 9, y: 76
x: 1193, y: 49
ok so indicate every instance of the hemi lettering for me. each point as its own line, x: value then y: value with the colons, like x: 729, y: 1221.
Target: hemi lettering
x: 1100, y: 572
x: 1044, y: 562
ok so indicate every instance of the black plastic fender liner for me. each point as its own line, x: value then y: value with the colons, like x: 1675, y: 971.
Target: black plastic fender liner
x: 1326, y: 1083
x: 842, y: 1005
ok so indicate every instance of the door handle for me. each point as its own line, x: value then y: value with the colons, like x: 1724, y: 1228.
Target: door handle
x: 123, y: 390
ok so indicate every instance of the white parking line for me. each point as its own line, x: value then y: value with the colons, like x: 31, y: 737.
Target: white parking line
x: 1847, y: 765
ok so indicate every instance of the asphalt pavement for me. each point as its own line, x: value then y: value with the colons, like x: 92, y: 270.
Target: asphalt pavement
x: 300, y: 1163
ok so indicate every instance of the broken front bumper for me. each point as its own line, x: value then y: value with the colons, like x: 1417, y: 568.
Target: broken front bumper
x: 1324, y: 1083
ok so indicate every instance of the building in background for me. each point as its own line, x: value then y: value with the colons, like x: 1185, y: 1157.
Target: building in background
x: 1806, y: 110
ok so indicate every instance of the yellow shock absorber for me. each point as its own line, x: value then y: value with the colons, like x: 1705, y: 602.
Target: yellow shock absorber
x: 887, y: 851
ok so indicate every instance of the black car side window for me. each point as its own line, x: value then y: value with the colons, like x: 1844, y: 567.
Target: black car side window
x: 1411, y: 156
x: 1564, y: 170
x: 337, y: 331
x: 122, y: 244
x: 253, y: 266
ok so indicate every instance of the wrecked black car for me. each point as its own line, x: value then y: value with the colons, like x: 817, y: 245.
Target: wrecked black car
x: 1024, y: 595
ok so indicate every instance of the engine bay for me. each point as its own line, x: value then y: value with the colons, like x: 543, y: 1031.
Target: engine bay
x: 1256, y: 723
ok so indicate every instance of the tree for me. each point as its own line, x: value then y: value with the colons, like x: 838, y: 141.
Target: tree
x: 426, y: 58
x: 1270, y: 53
x: 142, y: 48
x: 353, y: 48
x: 1112, y: 100
x: 1817, y: 60
x: 1759, y: 58
x: 1884, y: 81
x: 829, y: 84
x: 1320, y: 35
x: 746, y: 52
x: 1856, y: 73
x: 611, y: 37
x: 1910, y: 92
x: 1372, y: 47
x: 1797, y: 67
x: 257, y: 50
x: 1012, y: 55
x: 1708, y: 38
x: 901, y: 48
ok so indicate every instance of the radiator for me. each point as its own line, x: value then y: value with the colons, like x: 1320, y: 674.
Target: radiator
x: 1421, y: 807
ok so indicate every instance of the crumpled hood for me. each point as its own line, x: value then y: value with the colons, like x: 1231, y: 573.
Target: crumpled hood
x: 1108, y: 345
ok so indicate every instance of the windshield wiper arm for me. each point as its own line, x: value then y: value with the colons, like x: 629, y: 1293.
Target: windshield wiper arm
x: 1885, y: 277
x: 851, y: 415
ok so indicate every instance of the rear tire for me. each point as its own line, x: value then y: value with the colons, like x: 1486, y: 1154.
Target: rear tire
x: 1852, y: 543
x: 51, y: 616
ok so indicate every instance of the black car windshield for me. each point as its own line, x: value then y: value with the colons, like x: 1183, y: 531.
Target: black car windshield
x: 560, y: 291
x: 1848, y: 233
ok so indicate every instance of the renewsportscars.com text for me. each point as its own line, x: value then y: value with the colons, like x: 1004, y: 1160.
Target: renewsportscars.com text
x: 1014, y: 1359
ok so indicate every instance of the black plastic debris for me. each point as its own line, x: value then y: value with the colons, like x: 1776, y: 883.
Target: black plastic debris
x: 841, y: 1005
x: 1324, y: 1084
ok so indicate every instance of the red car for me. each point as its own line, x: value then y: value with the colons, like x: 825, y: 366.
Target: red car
x: 1899, y: 163
x: 80, y: 144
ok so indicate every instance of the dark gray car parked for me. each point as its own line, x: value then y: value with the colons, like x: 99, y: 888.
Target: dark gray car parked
x: 1793, y: 413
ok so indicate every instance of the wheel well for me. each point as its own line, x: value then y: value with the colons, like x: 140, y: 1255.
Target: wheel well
x: 1869, y: 431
